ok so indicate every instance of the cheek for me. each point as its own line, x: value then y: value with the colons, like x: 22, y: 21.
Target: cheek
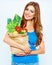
x: 25, y: 12
x: 32, y: 15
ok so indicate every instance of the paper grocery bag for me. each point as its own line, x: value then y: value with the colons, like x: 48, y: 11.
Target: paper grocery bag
x: 20, y: 39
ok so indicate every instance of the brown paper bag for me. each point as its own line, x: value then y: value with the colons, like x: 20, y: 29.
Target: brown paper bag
x: 20, y: 39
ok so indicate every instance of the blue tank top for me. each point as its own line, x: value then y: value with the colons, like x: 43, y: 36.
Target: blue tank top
x: 32, y: 37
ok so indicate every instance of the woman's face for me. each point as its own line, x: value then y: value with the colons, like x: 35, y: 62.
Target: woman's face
x: 29, y: 12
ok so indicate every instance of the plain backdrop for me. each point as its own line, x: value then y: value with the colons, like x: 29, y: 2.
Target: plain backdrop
x: 8, y: 8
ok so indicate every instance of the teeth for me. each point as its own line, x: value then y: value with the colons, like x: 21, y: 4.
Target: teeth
x: 27, y: 16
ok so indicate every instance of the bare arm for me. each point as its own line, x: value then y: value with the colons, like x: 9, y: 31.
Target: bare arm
x: 40, y: 50
x: 10, y: 42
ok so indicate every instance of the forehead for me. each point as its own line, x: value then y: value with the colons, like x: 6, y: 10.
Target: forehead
x: 31, y: 7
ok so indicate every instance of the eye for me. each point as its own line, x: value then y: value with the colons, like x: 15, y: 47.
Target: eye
x: 26, y: 9
x: 31, y: 11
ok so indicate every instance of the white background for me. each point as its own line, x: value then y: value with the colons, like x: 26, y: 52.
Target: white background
x: 8, y: 8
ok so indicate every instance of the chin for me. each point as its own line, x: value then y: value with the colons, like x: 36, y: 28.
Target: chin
x: 27, y: 18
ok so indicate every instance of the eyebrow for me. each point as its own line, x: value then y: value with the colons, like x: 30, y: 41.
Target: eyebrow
x: 30, y: 9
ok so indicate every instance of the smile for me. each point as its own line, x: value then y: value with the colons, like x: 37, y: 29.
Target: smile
x: 27, y: 16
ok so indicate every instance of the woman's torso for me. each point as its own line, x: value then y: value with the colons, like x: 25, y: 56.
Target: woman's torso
x: 32, y: 39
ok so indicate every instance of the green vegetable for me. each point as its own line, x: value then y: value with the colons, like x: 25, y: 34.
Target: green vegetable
x: 9, y: 20
x: 11, y: 24
x: 22, y: 32
x: 17, y: 19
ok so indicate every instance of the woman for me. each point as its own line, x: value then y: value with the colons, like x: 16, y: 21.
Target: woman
x: 31, y: 21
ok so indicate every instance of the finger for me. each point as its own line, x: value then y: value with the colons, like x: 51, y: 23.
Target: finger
x: 27, y: 52
x: 24, y: 54
x: 18, y: 54
x: 21, y: 54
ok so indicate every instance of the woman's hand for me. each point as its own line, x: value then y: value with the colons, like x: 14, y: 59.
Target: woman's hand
x: 21, y: 54
x: 26, y: 49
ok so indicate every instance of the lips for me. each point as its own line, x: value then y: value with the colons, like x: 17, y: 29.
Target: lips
x: 27, y: 15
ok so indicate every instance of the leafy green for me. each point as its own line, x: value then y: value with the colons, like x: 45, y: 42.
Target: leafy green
x: 11, y: 24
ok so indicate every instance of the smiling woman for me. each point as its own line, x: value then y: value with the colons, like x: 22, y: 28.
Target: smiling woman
x: 29, y: 12
x: 31, y: 21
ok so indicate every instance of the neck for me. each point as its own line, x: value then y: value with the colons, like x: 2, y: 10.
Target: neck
x: 29, y: 23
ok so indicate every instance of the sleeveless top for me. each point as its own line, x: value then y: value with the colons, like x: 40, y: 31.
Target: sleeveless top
x: 32, y: 39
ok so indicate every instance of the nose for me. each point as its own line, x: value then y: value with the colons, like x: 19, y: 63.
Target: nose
x: 28, y: 12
